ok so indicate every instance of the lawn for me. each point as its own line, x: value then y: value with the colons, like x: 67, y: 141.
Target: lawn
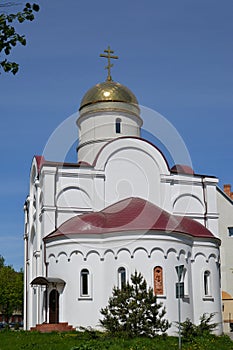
x: 18, y: 340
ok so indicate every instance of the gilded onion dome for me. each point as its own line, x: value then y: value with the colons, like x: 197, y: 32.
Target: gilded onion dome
x: 108, y: 91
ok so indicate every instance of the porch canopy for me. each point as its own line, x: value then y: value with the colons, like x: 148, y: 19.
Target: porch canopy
x: 46, y: 281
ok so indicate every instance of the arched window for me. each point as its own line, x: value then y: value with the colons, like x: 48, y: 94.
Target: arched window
x: 186, y: 282
x: 158, y: 280
x: 84, y: 282
x: 207, y: 290
x: 121, y: 277
x: 118, y: 126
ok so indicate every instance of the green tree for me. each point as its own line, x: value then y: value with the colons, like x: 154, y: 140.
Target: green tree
x: 189, y: 331
x: 2, y: 261
x: 134, y: 310
x: 8, y: 35
x: 11, y: 290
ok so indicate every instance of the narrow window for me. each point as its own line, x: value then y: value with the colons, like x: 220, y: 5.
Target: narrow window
x: 84, y: 282
x: 230, y: 231
x: 186, y: 282
x: 118, y: 125
x: 121, y: 277
x: 158, y: 280
x: 207, y: 283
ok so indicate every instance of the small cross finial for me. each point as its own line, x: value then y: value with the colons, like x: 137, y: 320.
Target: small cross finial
x: 109, y: 66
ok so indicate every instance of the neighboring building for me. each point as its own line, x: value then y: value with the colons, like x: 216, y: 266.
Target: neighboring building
x: 15, y: 318
x: 89, y: 225
x: 225, y: 208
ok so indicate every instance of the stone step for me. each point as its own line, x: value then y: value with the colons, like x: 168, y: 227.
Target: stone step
x: 53, y: 327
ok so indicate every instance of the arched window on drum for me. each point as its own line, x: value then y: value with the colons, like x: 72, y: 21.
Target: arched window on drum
x: 118, y: 126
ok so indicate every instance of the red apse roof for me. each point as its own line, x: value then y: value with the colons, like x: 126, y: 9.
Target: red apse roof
x: 131, y: 214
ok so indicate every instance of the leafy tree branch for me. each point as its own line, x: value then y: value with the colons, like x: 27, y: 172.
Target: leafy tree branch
x: 9, y: 38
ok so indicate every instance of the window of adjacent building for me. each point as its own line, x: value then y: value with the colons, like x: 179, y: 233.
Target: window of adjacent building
x: 158, y: 280
x: 118, y: 125
x: 84, y: 282
x: 121, y: 277
x: 207, y: 291
x: 230, y: 230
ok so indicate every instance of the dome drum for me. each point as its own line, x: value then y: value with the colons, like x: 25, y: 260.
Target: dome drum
x: 114, y: 107
x: 108, y: 110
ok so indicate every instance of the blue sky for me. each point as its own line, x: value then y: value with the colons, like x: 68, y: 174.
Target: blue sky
x: 175, y: 55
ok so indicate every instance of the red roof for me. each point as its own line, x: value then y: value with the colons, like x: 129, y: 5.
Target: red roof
x: 182, y: 169
x: 131, y: 214
x: 40, y: 160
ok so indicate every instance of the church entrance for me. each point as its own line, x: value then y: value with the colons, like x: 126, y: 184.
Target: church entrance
x: 54, y: 306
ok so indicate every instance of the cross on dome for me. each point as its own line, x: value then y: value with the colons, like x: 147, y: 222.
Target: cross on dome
x: 109, y: 66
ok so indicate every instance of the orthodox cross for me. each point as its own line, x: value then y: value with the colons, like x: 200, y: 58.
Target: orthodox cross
x: 109, y: 66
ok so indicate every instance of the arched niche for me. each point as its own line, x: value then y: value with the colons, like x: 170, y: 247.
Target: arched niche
x: 73, y: 197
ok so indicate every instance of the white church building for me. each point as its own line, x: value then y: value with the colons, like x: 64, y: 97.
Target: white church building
x: 89, y: 225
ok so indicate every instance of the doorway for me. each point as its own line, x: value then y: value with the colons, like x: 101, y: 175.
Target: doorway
x: 54, y: 306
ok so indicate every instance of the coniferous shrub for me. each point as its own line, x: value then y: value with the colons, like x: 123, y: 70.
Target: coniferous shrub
x: 206, y: 325
x: 134, y: 310
x: 189, y: 330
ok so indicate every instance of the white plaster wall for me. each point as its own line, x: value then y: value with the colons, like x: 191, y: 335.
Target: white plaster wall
x: 132, y: 168
x: 102, y: 125
x: 188, y: 204
x: 33, y: 257
x: 195, y: 197
x: 206, y: 258
x: 187, y: 196
x: 133, y: 251
x: 48, y: 175
x: 132, y: 173
x: 124, y: 168
x: 211, y: 203
x: 225, y: 208
x: 95, y: 129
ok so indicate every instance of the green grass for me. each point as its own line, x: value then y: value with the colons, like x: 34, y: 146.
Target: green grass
x: 18, y: 340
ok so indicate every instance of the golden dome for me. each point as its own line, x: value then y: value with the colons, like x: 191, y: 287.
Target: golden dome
x: 108, y: 91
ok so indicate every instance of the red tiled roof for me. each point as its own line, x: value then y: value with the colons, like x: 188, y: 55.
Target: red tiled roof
x: 182, y: 169
x: 131, y: 214
x: 40, y: 160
